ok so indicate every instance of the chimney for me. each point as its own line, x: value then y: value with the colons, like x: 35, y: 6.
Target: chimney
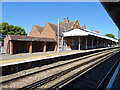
x: 97, y: 31
x: 83, y: 27
x: 67, y: 20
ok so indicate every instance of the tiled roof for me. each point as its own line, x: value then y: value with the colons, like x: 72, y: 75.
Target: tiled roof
x: 67, y: 25
x: 40, y: 28
x: 63, y: 26
x: 55, y: 28
x: 29, y: 38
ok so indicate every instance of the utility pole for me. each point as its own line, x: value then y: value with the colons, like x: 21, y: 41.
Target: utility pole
x: 58, y: 35
x: 58, y: 32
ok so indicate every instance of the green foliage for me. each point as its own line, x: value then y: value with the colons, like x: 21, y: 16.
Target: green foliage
x: 7, y: 29
x: 1, y: 38
x: 110, y: 35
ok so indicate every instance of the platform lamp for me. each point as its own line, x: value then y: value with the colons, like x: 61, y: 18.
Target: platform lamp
x: 65, y: 18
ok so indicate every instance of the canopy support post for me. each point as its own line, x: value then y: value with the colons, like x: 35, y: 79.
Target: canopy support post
x: 86, y: 42
x: 79, y: 43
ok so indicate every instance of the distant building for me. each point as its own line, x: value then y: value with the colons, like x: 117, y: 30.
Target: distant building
x: 42, y: 39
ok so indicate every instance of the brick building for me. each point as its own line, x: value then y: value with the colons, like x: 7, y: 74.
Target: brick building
x: 42, y: 39
x: 27, y: 44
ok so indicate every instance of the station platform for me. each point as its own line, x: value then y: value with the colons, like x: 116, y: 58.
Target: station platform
x: 18, y: 62
x: 26, y: 57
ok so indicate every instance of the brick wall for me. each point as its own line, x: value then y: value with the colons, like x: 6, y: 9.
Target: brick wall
x: 34, y: 32
x: 48, y: 32
x: 6, y: 44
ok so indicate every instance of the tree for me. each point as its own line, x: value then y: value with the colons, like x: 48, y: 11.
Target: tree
x: 7, y: 29
x: 110, y: 35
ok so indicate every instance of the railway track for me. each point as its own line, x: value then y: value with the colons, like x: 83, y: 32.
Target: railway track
x: 96, y: 78
x: 72, y: 76
x: 59, y: 65
x: 43, y: 82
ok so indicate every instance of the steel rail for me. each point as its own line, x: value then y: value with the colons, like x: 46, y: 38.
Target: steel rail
x: 53, y: 77
x: 108, y: 74
x: 77, y: 59
x: 73, y: 77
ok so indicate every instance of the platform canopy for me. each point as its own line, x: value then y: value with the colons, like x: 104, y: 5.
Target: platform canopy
x: 85, y: 32
x: 75, y: 32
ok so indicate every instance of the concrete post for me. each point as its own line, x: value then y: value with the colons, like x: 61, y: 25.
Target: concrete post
x: 111, y: 43
x: 30, y: 47
x: 86, y: 42
x: 97, y: 42
x: 62, y: 43
x: 101, y: 43
x: 11, y: 47
x: 55, y: 47
x: 104, y: 43
x: 58, y: 34
x: 79, y: 43
x: 107, y: 43
x: 44, y: 48
x: 92, y: 42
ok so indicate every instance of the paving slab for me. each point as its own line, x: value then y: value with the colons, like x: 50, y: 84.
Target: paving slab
x: 29, y: 57
x: 6, y: 59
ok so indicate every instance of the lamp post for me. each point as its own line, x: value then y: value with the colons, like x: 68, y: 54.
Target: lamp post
x: 58, y: 35
x: 59, y: 32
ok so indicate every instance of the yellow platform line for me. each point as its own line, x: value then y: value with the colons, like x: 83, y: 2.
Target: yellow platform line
x: 37, y: 57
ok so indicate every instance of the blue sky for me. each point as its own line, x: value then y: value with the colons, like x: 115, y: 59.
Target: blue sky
x: 27, y: 14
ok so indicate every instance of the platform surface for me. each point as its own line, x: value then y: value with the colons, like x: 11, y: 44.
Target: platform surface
x: 8, y: 59
x: 28, y: 57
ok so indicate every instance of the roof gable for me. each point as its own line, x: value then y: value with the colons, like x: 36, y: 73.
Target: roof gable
x: 36, y: 31
x: 76, y: 25
x: 67, y: 25
x: 39, y: 28
x: 55, y: 28
x: 48, y: 31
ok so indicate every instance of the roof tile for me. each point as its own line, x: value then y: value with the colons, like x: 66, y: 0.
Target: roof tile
x: 40, y: 28
x: 29, y: 38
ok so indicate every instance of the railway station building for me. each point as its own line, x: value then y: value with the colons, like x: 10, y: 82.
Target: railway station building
x: 72, y: 36
x: 78, y: 39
